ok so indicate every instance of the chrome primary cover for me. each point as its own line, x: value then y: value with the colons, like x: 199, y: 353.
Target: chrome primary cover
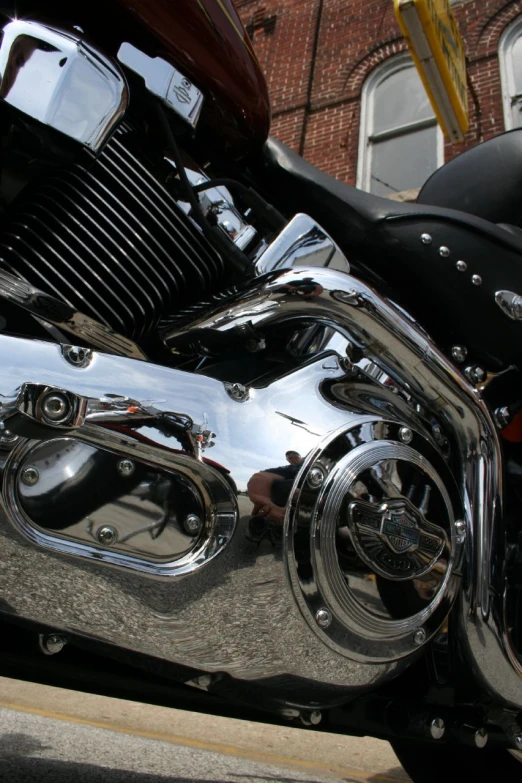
x: 401, y: 467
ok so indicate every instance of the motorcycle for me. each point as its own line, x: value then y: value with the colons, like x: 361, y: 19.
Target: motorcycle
x: 183, y: 302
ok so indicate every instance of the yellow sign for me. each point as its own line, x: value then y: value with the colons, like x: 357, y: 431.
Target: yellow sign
x: 438, y: 52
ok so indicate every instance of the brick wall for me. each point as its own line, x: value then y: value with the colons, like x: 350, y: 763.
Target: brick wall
x: 316, y: 55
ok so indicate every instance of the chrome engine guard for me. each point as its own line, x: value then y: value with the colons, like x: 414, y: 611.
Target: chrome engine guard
x: 238, y: 614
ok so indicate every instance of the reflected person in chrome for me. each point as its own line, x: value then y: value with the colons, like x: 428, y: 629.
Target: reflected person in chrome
x: 269, y: 491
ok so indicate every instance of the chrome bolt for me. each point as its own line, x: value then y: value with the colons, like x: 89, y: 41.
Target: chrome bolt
x: 444, y: 251
x: 459, y: 353
x: 419, y: 637
x: 437, y: 728
x: 125, y: 467
x: 475, y: 374
x: 193, y: 524
x: 405, y: 434
x: 517, y: 741
x: 237, y: 391
x: 55, y: 407
x: 315, y: 477
x: 461, y: 266
x: 323, y: 618
x: 426, y: 239
x: 52, y: 643
x: 290, y: 713
x: 471, y: 735
x: 476, y: 280
x: 460, y: 528
x: 7, y: 438
x: 481, y: 738
x: 502, y: 417
x: 30, y: 477
x: 312, y: 718
x: 204, y: 681
x: 78, y: 356
x: 107, y: 535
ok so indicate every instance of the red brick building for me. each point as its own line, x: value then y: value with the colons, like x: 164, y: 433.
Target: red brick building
x: 345, y: 95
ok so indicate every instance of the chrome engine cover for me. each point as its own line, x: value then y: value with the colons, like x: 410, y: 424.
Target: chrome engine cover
x: 370, y: 557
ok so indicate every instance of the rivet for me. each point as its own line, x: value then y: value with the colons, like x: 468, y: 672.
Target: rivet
x: 461, y: 266
x: 419, y: 637
x: 315, y: 477
x: 30, y: 477
x: 459, y: 353
x: 444, y: 251
x: 107, y: 535
x: 476, y: 280
x: 323, y: 618
x: 405, y: 434
x: 426, y: 239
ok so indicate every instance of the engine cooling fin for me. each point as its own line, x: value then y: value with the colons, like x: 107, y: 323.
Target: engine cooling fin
x: 110, y: 241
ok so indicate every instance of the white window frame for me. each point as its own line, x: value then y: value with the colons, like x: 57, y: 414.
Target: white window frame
x: 366, y: 136
x: 507, y: 73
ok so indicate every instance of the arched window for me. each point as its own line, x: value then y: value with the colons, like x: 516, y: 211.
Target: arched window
x: 510, y: 56
x: 400, y: 142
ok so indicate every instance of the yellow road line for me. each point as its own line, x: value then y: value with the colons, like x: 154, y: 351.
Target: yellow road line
x: 227, y: 750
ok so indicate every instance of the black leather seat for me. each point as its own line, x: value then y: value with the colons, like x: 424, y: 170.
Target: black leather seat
x: 350, y: 214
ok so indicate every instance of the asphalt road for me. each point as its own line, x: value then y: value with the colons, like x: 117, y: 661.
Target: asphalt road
x: 51, y: 735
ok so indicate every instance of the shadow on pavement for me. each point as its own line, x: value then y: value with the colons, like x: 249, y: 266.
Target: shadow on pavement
x: 19, y: 764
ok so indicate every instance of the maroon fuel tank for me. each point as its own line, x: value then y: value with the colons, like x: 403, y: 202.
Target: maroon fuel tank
x: 207, y: 41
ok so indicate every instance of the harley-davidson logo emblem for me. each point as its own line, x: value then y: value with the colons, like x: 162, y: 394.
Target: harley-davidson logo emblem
x: 394, y: 538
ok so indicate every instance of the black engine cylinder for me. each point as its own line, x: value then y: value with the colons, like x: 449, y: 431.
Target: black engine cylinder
x: 111, y: 241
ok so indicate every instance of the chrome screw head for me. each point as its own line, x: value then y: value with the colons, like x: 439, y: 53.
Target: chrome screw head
x: 419, y: 637
x: 192, y: 524
x: 405, y: 434
x: 107, y: 535
x: 30, y: 477
x: 459, y: 353
x: 476, y: 280
x: 426, y: 239
x: 55, y: 407
x: 437, y: 728
x: 125, y: 467
x: 315, y: 477
x: 461, y: 266
x: 444, y: 251
x: 323, y: 618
